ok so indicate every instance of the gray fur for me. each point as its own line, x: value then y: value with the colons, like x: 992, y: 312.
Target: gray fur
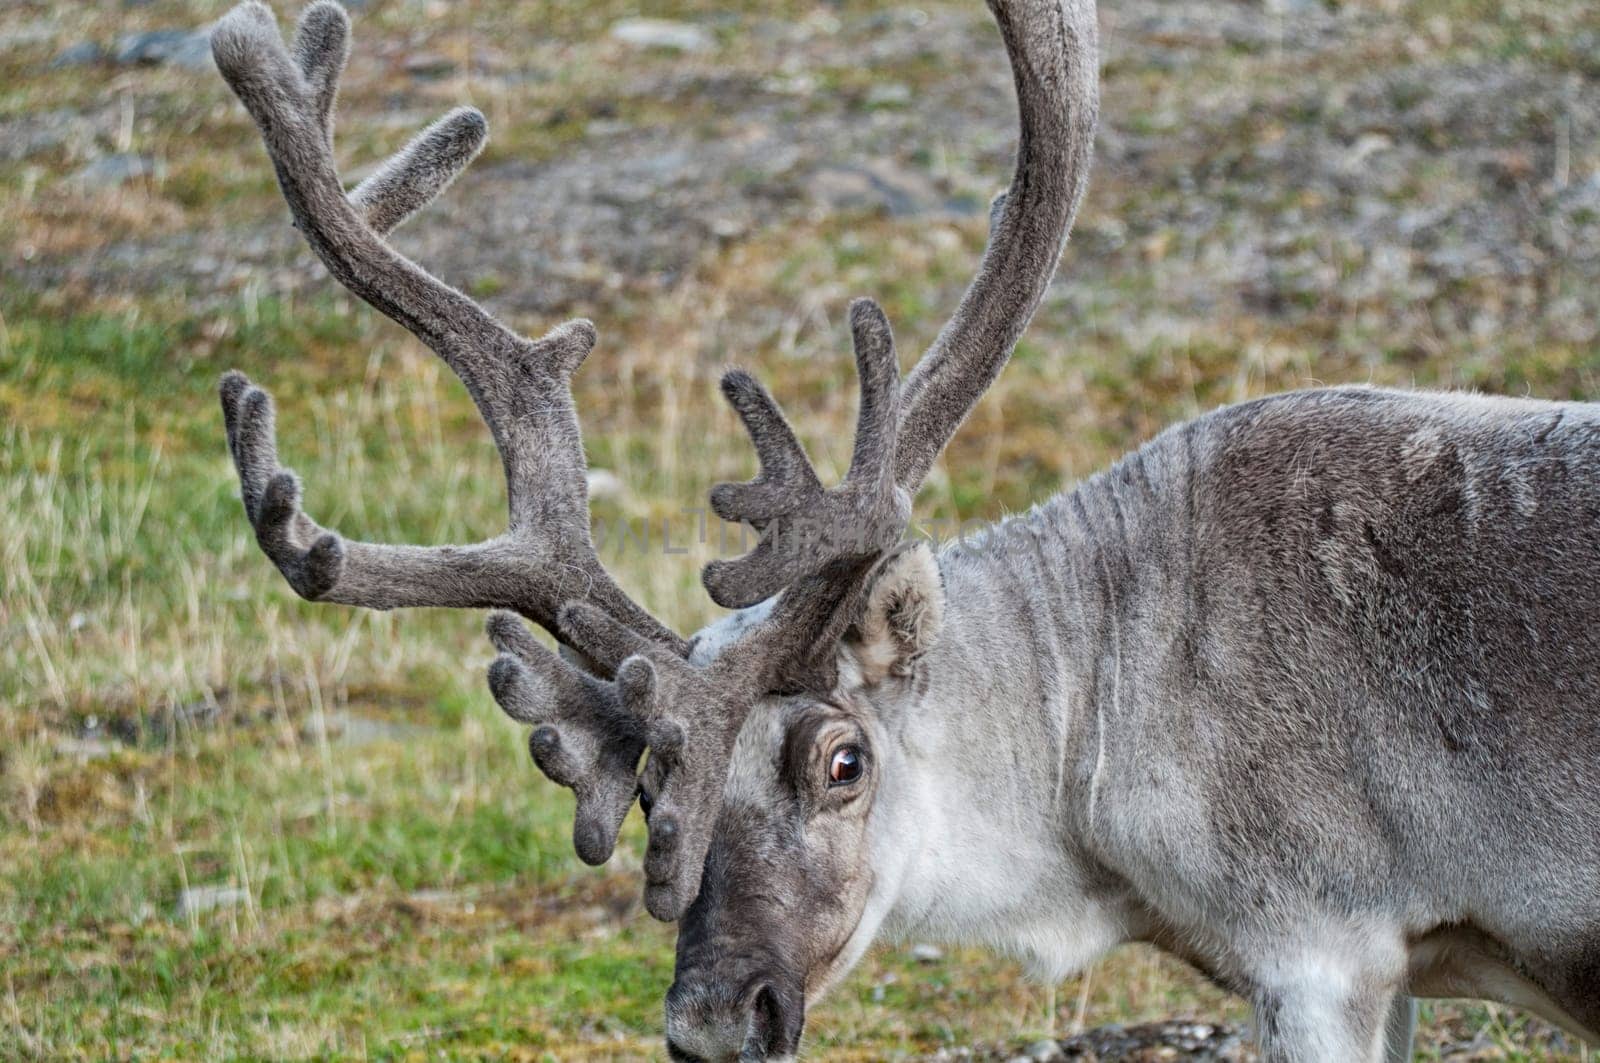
x: 1306, y: 691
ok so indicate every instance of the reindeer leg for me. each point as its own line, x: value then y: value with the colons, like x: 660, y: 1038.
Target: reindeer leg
x: 1400, y: 1030
x: 1321, y: 1005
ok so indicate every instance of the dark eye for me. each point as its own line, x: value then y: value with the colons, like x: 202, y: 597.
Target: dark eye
x: 646, y: 802
x: 845, y: 767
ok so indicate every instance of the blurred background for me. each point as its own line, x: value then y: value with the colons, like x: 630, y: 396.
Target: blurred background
x: 236, y: 825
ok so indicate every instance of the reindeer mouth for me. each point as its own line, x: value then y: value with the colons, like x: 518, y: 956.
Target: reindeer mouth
x: 705, y: 1026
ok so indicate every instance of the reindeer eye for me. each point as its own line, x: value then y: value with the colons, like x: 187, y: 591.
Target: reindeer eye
x: 845, y: 767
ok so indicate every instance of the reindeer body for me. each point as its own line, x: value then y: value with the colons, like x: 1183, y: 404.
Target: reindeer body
x: 1306, y: 691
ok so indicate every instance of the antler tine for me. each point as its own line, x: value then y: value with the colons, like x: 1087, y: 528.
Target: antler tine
x: 692, y: 715
x: 584, y: 738
x: 521, y: 386
x: 323, y: 567
x: 1052, y: 46
x: 415, y: 175
x: 804, y: 525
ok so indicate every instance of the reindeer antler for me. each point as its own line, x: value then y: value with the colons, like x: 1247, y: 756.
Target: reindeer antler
x: 818, y: 545
x: 521, y: 386
x: 804, y: 525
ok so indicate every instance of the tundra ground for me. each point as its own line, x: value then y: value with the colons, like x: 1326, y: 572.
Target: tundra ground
x: 232, y: 824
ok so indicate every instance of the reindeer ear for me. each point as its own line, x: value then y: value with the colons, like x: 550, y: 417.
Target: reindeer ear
x: 902, y: 617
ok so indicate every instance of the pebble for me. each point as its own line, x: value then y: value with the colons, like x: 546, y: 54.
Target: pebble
x: 84, y: 53
x: 661, y: 33
x: 110, y: 171
x: 429, y: 66
x: 184, y: 49
x: 924, y: 953
x: 199, y: 899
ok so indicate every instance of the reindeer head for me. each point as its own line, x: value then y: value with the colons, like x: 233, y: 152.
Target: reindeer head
x: 767, y: 737
x: 804, y: 854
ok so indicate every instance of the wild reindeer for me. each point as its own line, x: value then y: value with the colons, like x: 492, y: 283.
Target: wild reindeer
x: 1306, y: 691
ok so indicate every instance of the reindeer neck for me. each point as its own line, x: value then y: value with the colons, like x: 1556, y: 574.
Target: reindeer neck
x: 1003, y: 729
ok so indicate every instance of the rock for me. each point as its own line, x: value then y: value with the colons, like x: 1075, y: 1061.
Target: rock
x: 84, y: 750
x: 661, y: 33
x: 185, y: 49
x: 1043, y: 1051
x: 110, y: 171
x: 84, y: 53
x: 880, y: 184
x: 924, y: 953
x: 200, y: 899
x: 352, y: 729
x: 28, y: 35
x: 429, y: 66
x: 1202, y: 1042
x: 892, y: 94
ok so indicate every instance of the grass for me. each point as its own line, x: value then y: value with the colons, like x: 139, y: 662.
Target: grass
x: 172, y: 719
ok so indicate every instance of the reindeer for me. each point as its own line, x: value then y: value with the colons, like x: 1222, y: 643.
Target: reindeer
x: 1305, y: 691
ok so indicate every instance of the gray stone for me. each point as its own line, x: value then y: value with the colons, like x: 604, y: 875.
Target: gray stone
x: 661, y: 33
x: 352, y: 729
x: 84, y: 53
x: 109, y: 171
x: 185, y: 49
x: 892, y: 94
x: 925, y: 953
x: 28, y: 35
x: 879, y: 184
x: 1043, y: 1051
x: 429, y: 66
x: 200, y: 899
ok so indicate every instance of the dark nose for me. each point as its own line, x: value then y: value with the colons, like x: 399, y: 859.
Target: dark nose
x: 709, y: 1021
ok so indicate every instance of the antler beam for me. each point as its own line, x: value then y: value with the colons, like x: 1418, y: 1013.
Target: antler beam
x: 522, y: 387
x: 1054, y: 52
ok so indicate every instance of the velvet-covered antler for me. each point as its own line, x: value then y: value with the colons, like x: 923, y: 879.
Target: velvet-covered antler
x: 804, y: 525
x: 818, y: 546
x: 1053, y: 46
x: 521, y: 386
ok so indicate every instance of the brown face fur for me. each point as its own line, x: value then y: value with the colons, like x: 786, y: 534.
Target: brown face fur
x: 784, y: 885
x: 788, y: 876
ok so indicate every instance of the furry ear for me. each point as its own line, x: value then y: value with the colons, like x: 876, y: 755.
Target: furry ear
x: 903, y: 615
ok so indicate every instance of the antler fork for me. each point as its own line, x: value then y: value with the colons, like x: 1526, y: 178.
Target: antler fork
x: 522, y: 388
